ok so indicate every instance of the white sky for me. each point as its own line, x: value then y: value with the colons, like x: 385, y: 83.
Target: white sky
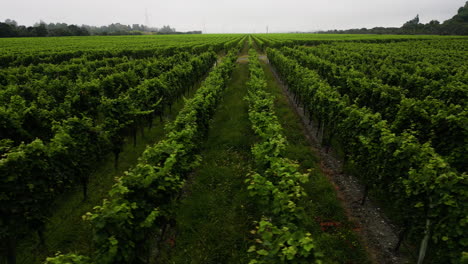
x: 232, y: 16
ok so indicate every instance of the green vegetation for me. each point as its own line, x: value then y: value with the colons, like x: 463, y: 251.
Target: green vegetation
x: 276, y: 184
x: 143, y: 197
x: 291, y: 194
x: 350, y: 108
x: 215, y: 215
x: 65, y: 230
x: 54, y: 137
x: 140, y: 203
x: 330, y: 227
x: 232, y: 178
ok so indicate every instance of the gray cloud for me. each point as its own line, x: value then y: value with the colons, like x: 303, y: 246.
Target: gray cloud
x: 223, y: 16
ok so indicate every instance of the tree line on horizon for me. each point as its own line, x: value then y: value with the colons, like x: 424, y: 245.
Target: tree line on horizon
x: 11, y: 28
x: 457, y: 25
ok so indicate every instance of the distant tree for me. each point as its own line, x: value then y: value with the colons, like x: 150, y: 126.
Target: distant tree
x: 77, y: 31
x: 457, y: 25
x: 138, y: 27
x: 39, y: 30
x: 462, y: 14
x: 22, y: 31
x: 413, y: 22
x: 11, y: 22
x: 10, y: 28
x: 7, y: 30
x: 166, y: 30
x: 433, y: 27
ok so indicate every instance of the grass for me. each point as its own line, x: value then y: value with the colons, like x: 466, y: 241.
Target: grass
x: 65, y: 229
x: 214, y: 219
x: 338, y: 241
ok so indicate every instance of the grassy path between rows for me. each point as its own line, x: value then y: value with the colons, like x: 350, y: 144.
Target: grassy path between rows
x: 215, y: 215
x: 65, y: 230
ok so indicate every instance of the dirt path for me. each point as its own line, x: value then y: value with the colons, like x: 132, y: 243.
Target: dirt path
x: 376, y: 231
x: 243, y: 59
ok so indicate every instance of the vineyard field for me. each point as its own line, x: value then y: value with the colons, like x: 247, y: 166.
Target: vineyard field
x: 226, y: 148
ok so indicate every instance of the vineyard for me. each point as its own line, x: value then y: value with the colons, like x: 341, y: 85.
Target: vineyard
x: 200, y: 148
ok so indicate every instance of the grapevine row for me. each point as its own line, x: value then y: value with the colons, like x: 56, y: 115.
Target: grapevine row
x: 430, y: 194
x: 140, y: 203
x: 39, y: 50
x: 276, y: 184
x: 428, y: 118
x: 36, y: 172
x: 82, y: 69
x: 438, y: 71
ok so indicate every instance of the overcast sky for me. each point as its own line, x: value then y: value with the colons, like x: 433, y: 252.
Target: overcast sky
x: 231, y: 16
